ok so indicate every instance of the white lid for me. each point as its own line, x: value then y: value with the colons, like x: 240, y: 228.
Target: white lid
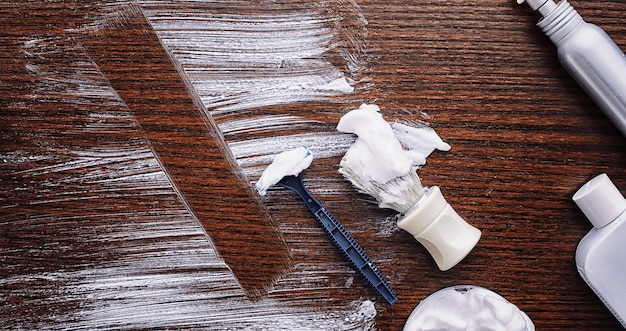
x: 437, y: 226
x: 600, y: 200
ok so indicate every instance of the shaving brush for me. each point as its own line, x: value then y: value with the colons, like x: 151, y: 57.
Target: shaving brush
x: 382, y: 166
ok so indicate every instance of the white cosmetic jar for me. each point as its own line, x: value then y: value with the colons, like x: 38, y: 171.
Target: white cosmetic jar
x: 465, y: 308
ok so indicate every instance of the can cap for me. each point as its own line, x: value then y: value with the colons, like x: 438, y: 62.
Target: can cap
x: 437, y: 226
x: 600, y: 200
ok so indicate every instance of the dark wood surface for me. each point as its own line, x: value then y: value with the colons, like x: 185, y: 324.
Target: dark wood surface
x: 125, y: 202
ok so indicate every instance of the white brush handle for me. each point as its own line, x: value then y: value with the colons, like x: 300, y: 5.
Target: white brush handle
x: 437, y: 226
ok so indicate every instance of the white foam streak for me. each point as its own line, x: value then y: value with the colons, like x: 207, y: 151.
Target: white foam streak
x: 266, y: 123
x: 254, y: 155
x: 238, y: 61
x: 137, y: 257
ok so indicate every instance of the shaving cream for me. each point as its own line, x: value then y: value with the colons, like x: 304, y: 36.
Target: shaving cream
x: 376, y: 154
x: 464, y: 308
x: 287, y: 163
x: 418, y: 142
x: 382, y: 151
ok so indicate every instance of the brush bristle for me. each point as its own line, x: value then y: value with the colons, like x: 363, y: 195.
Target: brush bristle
x: 399, y: 194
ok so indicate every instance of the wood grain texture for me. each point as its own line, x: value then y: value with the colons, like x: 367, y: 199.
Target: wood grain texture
x: 109, y: 165
x: 190, y: 147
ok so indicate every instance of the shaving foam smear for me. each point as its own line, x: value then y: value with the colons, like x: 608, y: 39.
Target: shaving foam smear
x: 287, y: 163
x: 383, y: 160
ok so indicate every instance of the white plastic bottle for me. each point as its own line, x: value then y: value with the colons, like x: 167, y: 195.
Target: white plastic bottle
x: 601, y: 254
x: 588, y: 54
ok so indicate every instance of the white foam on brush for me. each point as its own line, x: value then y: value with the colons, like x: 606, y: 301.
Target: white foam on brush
x: 287, y: 163
x: 383, y: 159
x: 419, y: 142
x: 377, y: 154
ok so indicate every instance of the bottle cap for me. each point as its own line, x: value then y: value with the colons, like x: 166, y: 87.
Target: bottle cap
x: 600, y: 200
x: 446, y: 236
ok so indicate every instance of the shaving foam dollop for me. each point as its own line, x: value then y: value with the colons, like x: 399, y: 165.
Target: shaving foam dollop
x: 382, y: 151
x: 383, y: 159
x: 287, y: 163
x: 376, y: 154
x: 465, y: 308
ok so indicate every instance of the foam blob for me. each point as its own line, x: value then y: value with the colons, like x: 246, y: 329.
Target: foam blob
x: 287, y: 163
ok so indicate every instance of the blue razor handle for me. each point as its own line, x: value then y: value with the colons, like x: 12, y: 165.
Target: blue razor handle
x: 342, y: 238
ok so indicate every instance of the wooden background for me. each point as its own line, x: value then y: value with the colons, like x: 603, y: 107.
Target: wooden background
x: 122, y: 206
